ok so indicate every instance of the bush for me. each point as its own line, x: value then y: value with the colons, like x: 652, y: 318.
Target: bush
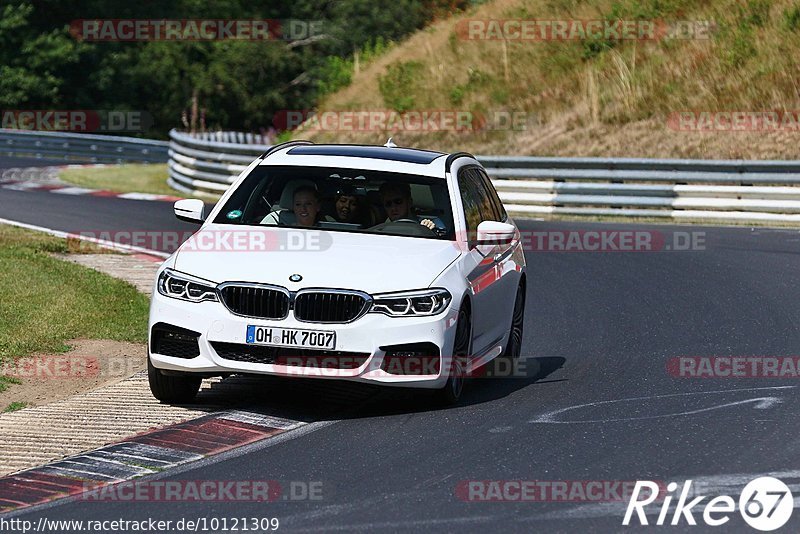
x: 399, y: 84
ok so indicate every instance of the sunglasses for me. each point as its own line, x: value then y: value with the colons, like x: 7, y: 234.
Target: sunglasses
x: 394, y: 201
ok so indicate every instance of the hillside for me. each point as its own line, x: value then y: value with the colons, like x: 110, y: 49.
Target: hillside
x: 595, y: 96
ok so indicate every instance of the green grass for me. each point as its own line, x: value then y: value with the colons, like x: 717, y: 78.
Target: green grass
x: 743, y: 57
x: 122, y: 179
x: 14, y: 406
x: 6, y: 380
x: 47, y: 301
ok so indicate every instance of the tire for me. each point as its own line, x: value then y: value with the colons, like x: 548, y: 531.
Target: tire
x: 451, y: 392
x: 172, y: 389
x: 514, y: 345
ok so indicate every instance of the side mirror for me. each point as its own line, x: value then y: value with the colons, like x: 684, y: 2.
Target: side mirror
x: 495, y: 233
x: 190, y: 210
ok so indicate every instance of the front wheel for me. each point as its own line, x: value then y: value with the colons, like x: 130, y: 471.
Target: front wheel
x: 514, y: 345
x: 451, y: 391
x: 172, y: 389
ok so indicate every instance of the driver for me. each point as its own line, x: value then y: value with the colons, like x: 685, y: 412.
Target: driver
x: 306, y: 205
x: 396, y: 199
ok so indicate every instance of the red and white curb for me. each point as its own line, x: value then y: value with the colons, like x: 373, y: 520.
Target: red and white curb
x: 145, y: 454
x: 72, y: 190
x: 46, y: 179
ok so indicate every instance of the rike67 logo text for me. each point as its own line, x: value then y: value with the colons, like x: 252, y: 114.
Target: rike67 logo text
x: 765, y: 504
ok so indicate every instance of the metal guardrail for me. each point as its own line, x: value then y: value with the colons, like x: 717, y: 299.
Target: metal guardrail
x: 722, y: 190
x: 203, y: 166
x: 82, y: 148
x: 733, y: 190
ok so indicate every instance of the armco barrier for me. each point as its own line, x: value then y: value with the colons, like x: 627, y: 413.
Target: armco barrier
x: 534, y: 186
x: 81, y: 148
x: 198, y: 165
x: 721, y: 190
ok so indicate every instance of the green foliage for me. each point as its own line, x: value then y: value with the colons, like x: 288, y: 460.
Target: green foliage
x: 457, y: 94
x: 5, y: 381
x: 632, y: 10
x: 756, y: 13
x: 34, y: 65
x: 594, y: 47
x: 337, y: 72
x: 236, y: 84
x: 14, y: 406
x: 499, y: 95
x: 741, y: 47
x: 399, y: 84
x: 648, y: 9
x: 791, y: 18
x: 739, y: 38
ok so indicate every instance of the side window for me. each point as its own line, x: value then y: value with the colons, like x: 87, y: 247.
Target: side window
x: 493, y: 197
x: 488, y: 209
x: 470, y: 198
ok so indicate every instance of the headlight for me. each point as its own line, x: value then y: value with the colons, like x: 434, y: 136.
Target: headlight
x: 185, y: 287
x: 412, y: 303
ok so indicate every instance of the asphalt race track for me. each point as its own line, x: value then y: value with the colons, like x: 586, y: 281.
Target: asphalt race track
x: 597, y: 404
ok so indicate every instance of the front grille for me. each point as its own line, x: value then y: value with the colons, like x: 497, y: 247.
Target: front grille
x: 256, y: 301
x: 329, y: 306
x: 174, y: 341
x: 323, y: 359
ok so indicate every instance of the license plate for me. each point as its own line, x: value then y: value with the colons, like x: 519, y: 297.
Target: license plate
x: 290, y: 337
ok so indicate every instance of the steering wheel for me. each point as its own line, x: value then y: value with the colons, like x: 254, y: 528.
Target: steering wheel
x: 402, y: 227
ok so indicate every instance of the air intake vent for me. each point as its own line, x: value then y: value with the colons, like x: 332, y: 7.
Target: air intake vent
x: 324, y: 359
x: 173, y: 341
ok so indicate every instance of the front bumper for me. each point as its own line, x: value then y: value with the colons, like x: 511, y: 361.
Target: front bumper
x: 365, y: 335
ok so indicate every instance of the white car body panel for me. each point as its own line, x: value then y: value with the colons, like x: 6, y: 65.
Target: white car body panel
x: 487, y: 275
x: 370, y: 263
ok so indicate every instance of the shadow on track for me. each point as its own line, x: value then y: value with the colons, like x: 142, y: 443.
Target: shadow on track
x: 309, y: 399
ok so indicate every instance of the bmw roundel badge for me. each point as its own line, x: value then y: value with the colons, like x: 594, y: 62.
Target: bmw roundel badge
x: 295, y: 278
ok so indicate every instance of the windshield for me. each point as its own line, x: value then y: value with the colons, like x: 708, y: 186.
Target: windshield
x: 346, y: 200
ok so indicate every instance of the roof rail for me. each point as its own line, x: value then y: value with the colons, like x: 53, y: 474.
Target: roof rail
x: 454, y: 156
x: 275, y: 148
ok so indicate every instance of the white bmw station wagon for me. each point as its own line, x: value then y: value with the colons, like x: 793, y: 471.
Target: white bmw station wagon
x: 377, y: 264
